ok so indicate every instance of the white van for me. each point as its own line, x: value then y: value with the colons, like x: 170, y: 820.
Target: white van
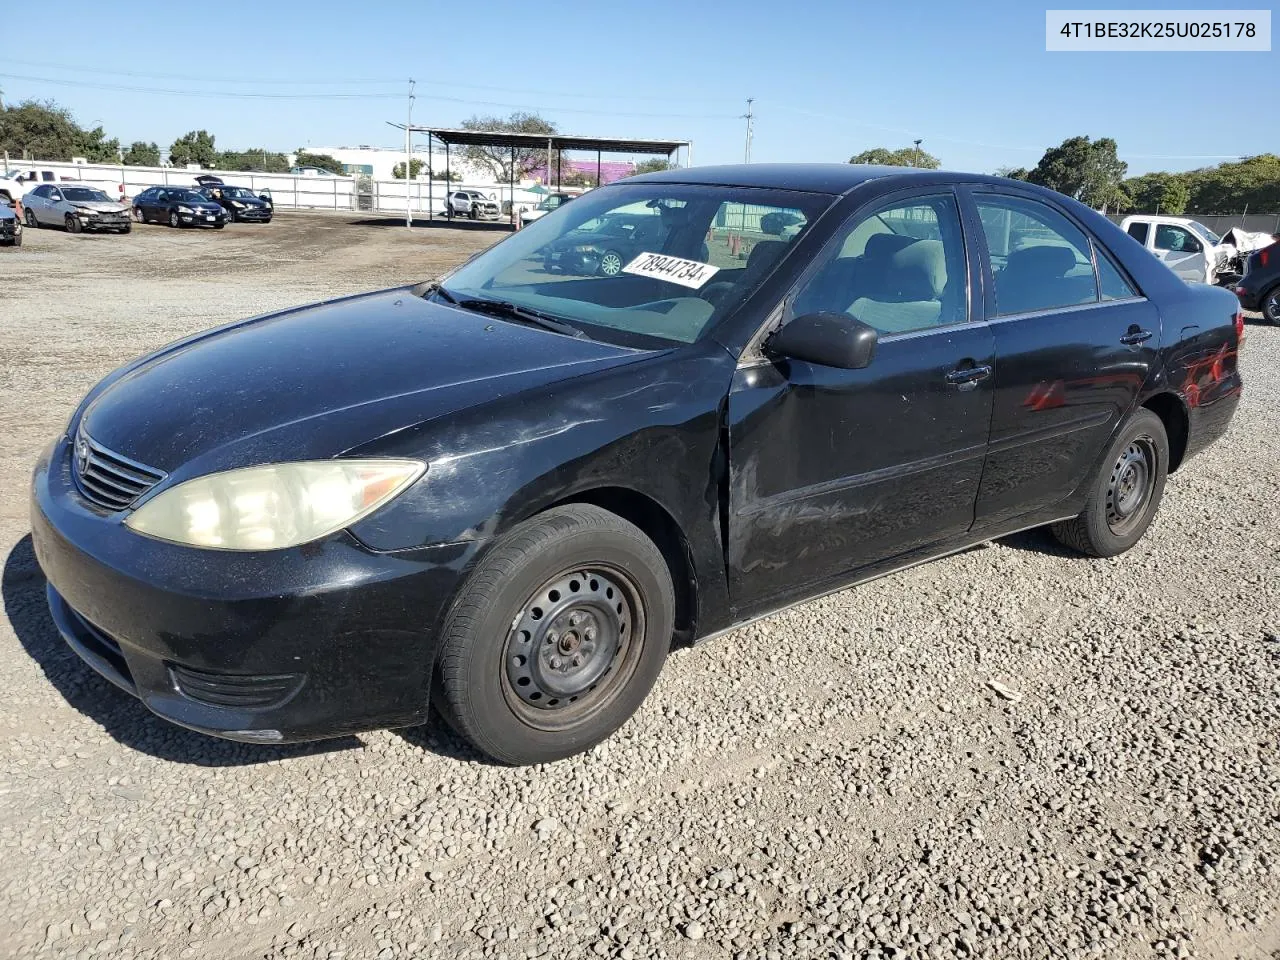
x: 1189, y: 248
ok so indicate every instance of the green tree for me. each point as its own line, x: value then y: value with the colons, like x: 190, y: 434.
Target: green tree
x: 1158, y: 193
x: 498, y: 160
x: 41, y: 130
x: 415, y: 168
x: 1088, y: 170
x: 1252, y: 183
x: 324, y: 161
x: 905, y: 157
x: 653, y: 165
x: 253, y: 160
x: 195, y: 146
x: 96, y: 148
x: 1013, y: 173
x: 142, y: 154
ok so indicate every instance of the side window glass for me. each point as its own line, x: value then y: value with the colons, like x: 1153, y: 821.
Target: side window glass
x: 899, y: 269
x: 1139, y: 232
x: 47, y: 175
x: 1176, y: 239
x: 1039, y: 259
x: 1110, y: 280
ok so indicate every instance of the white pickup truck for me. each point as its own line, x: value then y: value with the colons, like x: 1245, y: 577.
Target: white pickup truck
x: 21, y: 179
x: 1189, y: 248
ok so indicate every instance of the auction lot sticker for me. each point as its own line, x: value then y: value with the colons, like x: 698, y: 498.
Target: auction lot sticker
x: 1157, y: 30
x: 659, y: 266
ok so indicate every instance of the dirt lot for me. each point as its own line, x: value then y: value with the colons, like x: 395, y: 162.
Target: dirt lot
x: 838, y: 780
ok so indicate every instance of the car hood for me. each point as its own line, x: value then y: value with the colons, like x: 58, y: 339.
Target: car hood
x: 313, y: 382
x: 102, y: 206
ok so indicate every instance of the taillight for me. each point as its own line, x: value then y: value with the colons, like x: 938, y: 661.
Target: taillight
x: 1264, y: 256
x: 1239, y: 328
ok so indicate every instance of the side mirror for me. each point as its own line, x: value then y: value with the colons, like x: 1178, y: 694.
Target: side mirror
x: 829, y: 339
x: 1192, y: 245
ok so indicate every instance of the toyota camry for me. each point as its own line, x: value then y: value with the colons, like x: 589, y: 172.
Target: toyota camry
x: 510, y: 491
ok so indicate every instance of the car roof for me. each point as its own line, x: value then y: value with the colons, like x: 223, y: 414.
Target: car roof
x: 831, y: 178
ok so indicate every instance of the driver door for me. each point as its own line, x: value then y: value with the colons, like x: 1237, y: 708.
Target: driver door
x: 1181, y: 250
x: 834, y: 472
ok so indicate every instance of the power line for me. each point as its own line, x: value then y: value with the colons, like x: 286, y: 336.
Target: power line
x: 238, y: 95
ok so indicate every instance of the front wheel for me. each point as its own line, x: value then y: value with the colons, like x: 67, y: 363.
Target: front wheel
x: 1271, y: 306
x: 30, y: 218
x: 139, y: 216
x: 1126, y: 493
x: 557, y: 637
x: 73, y: 224
x: 126, y: 228
x: 611, y: 263
x: 173, y: 219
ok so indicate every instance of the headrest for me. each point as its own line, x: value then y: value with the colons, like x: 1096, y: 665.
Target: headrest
x: 1042, y: 261
x: 881, y: 246
x: 919, y: 271
x: 765, y: 254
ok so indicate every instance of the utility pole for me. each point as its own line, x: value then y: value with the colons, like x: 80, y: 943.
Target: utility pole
x: 408, y: 162
x: 749, y: 117
x: 916, y: 163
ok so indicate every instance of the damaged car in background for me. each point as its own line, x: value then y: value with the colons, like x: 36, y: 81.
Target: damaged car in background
x: 516, y: 490
x: 1193, y: 251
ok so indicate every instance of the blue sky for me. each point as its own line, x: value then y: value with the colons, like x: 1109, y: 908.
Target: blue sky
x: 829, y: 77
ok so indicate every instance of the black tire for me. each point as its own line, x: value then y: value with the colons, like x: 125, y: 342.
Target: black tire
x: 17, y: 240
x: 139, y: 215
x: 593, y: 653
x: 72, y: 224
x: 1126, y: 494
x: 219, y: 226
x: 173, y: 219
x: 1271, y: 305
x: 473, y: 213
x: 611, y: 263
x: 127, y: 228
x: 30, y: 219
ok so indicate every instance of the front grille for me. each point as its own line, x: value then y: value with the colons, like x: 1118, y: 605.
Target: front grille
x: 107, y: 478
x: 247, y: 692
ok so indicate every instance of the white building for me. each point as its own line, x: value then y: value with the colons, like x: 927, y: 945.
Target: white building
x: 378, y: 162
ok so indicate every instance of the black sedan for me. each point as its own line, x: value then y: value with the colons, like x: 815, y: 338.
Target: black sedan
x: 512, y: 491
x: 1259, y: 288
x: 604, y: 245
x: 239, y: 203
x: 178, y: 207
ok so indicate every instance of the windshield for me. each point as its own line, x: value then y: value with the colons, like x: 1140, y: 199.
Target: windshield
x: 1205, y: 231
x: 642, y: 262
x: 85, y: 195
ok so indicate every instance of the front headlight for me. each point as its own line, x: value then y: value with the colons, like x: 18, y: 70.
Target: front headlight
x: 237, y: 204
x: 84, y: 211
x: 274, y: 506
x: 182, y: 209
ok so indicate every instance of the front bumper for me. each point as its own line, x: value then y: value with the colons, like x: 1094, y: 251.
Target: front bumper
x: 106, y: 221
x: 9, y: 229
x: 202, y: 218
x: 317, y: 641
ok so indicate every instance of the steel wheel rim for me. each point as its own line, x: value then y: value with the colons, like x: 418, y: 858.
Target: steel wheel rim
x: 29, y: 217
x: 611, y: 264
x: 1272, y: 307
x: 592, y: 614
x: 1130, y: 485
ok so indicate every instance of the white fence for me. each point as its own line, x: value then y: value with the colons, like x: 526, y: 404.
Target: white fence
x: 288, y: 192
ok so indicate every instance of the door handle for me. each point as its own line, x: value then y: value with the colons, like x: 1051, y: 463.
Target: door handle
x: 963, y: 375
x: 1134, y: 337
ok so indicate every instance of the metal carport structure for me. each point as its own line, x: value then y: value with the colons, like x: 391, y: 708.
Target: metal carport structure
x: 553, y: 143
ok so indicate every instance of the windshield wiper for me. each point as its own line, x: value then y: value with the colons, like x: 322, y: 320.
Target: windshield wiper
x: 513, y: 311
x: 428, y: 287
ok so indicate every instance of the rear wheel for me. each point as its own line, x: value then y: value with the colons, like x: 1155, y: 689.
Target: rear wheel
x: 1126, y: 493
x: 557, y: 636
x: 73, y: 224
x: 1271, y: 305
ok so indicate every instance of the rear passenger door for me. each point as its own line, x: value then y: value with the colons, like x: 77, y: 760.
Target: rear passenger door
x: 1075, y: 341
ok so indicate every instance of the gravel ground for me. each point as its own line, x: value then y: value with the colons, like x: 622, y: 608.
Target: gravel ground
x: 840, y: 780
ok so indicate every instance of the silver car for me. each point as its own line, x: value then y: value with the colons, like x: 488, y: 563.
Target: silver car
x: 74, y: 207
